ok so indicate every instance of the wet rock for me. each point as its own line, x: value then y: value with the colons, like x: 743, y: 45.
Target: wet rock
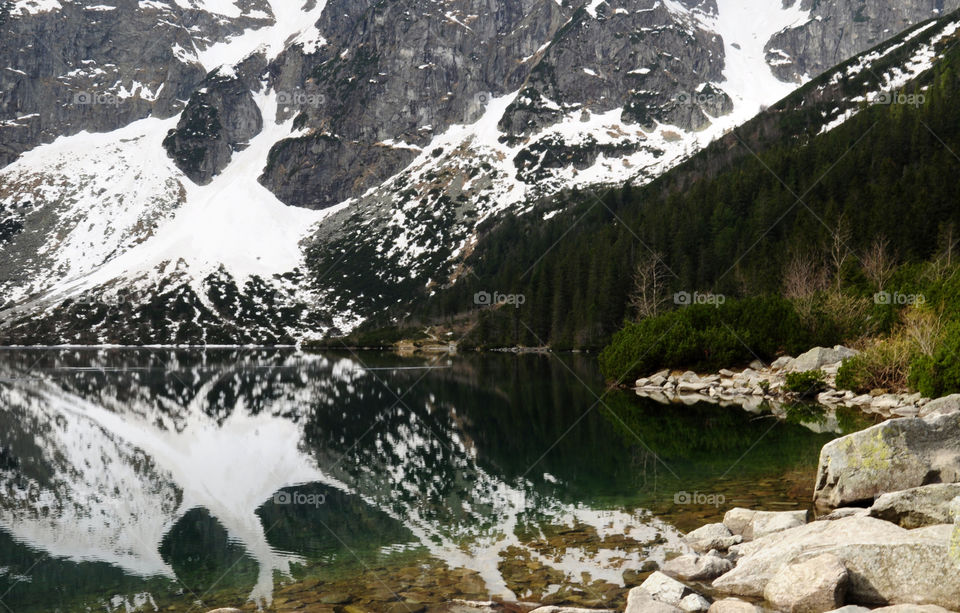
x: 711, y: 536
x: 732, y: 605
x: 916, y: 507
x: 813, y: 586
x: 891, y: 456
x: 886, y: 563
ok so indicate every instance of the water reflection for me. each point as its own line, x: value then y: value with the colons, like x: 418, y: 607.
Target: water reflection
x: 137, y: 478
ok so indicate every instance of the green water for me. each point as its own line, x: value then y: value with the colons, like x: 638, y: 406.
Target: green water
x: 183, y: 480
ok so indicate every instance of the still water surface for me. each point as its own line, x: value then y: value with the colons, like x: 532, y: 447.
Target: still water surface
x: 149, y: 479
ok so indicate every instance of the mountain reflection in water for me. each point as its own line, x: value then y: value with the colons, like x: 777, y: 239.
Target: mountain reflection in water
x: 130, y: 477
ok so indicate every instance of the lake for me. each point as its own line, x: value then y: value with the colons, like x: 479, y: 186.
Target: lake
x: 157, y: 479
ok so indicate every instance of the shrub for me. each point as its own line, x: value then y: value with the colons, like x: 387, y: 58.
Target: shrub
x: 939, y: 374
x: 705, y: 337
x: 806, y: 384
x: 883, y: 364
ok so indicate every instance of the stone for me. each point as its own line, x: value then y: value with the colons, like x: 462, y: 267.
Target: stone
x: 726, y: 373
x: 894, y: 455
x: 768, y: 522
x: 556, y: 609
x: 732, y: 605
x: 941, y: 406
x: 643, y: 603
x: 225, y: 610
x: 692, y: 567
x: 850, y: 608
x: 781, y: 363
x: 820, y: 356
x: 661, y: 588
x: 694, y: 602
x: 916, y: 507
x: 738, y: 519
x: 816, y: 585
x: 845, y: 512
x: 886, y: 563
x: 711, y: 536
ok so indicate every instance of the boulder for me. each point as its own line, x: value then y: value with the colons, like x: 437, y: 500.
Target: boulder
x: 694, y: 602
x: 886, y: 563
x: 711, y: 536
x: 783, y: 362
x: 768, y: 522
x: 692, y: 567
x: 816, y: 585
x: 732, y: 605
x: 738, y: 519
x: 845, y: 512
x: 556, y: 609
x: 851, y: 608
x: 643, y: 603
x: 941, y: 406
x: 661, y: 588
x: 820, y: 356
x: 916, y: 507
x: 890, y: 456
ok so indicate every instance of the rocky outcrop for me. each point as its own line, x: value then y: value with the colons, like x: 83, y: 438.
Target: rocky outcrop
x: 220, y: 118
x: 886, y: 563
x: 891, y: 456
x: 837, y: 30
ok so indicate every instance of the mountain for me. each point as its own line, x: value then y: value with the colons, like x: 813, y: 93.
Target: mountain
x: 255, y: 172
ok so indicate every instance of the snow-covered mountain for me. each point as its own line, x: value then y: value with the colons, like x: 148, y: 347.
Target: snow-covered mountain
x: 259, y: 171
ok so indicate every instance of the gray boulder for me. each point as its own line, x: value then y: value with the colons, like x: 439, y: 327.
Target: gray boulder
x: 711, y: 536
x: 694, y: 602
x: 661, y: 588
x: 851, y: 608
x: 820, y: 356
x: 813, y: 586
x: 692, y: 567
x: 886, y: 563
x: 941, y: 406
x: 732, y: 605
x: 916, y: 507
x: 768, y: 522
x: 888, y: 457
x: 738, y: 519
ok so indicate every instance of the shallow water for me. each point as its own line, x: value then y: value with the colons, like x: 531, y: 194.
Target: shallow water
x: 154, y: 479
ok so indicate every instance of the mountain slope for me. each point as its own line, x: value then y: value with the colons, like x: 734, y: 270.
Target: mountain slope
x: 330, y: 160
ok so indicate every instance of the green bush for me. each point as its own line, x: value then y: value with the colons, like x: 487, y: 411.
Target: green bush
x: 939, y: 374
x: 706, y: 337
x: 884, y: 364
x: 806, y: 384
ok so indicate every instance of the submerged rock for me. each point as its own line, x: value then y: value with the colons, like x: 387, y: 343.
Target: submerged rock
x: 896, y: 454
x: 813, y: 586
x: 886, y: 563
